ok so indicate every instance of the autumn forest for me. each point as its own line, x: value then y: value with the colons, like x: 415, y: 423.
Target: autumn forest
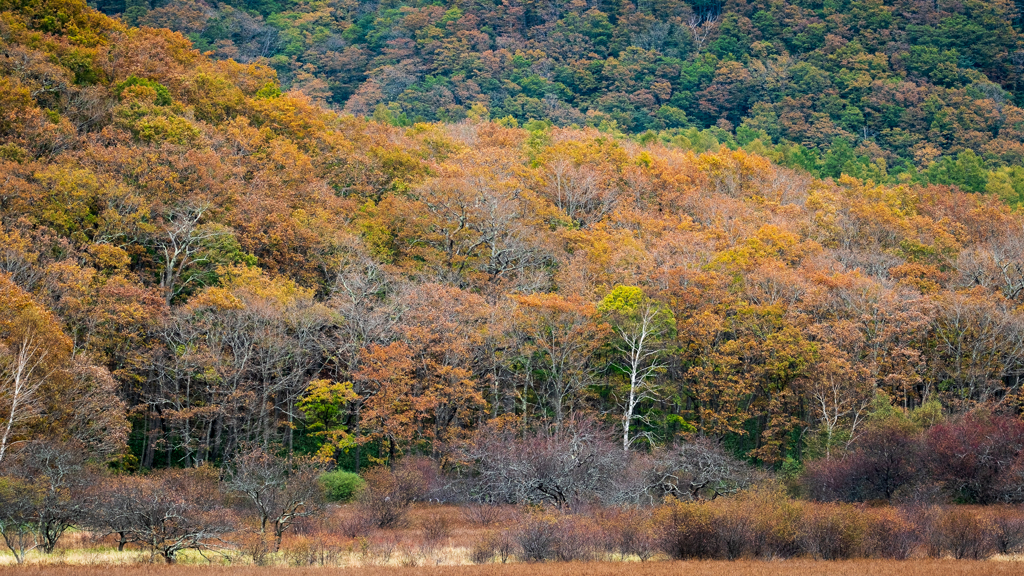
x: 630, y: 274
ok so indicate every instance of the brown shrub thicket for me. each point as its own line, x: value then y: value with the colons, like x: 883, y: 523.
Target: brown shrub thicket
x: 629, y: 532
x: 175, y: 511
x: 892, y: 534
x: 960, y: 532
x: 765, y: 524
x: 319, y: 549
x: 760, y: 524
x: 976, y: 458
x: 834, y: 532
x: 385, y: 499
x: 536, y: 538
x: 688, y: 531
x: 799, y: 567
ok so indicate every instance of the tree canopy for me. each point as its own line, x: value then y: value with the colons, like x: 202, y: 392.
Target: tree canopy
x: 880, y: 89
x: 196, y: 257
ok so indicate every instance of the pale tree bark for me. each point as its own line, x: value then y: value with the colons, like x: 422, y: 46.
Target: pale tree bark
x: 840, y: 400
x: 641, y: 346
x: 19, y: 389
x: 180, y: 246
x: 701, y: 26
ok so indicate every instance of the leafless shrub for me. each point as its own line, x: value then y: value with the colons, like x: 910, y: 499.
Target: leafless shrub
x: 482, y: 514
x: 319, y: 549
x: 734, y: 523
x: 354, y: 524
x: 436, y: 529
x: 431, y: 485
x: 687, y: 531
x: 577, y: 539
x: 484, y: 549
x: 833, y: 532
x: 256, y: 548
x: 891, y: 534
x: 960, y: 532
x: 504, y: 545
x: 1008, y: 530
x: 410, y: 556
x: 630, y: 532
x: 537, y: 538
x: 386, y: 497
x: 384, y: 547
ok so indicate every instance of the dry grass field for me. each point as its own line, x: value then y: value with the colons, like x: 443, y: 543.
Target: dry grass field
x: 316, y: 548
x: 717, y: 568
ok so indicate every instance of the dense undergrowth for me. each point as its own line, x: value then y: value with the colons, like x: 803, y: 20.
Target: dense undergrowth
x: 760, y: 526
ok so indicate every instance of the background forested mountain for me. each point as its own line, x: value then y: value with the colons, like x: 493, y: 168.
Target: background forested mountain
x: 192, y: 260
x: 890, y: 90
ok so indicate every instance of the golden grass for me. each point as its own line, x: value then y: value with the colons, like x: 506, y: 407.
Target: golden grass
x: 718, y: 568
x: 81, y: 553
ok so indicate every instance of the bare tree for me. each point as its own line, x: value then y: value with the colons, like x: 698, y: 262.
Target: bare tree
x: 642, y: 328
x: 585, y: 193
x: 108, y: 511
x: 20, y: 381
x: 280, y: 490
x: 997, y: 265
x: 480, y: 222
x: 839, y: 394
x: 181, y: 245
x: 59, y: 474
x: 699, y: 470
x: 564, y: 465
x: 18, y: 502
x: 701, y: 26
x: 168, y: 512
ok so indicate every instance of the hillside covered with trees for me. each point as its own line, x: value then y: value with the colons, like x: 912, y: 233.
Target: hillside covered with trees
x: 894, y: 90
x: 194, y: 261
x: 214, y: 288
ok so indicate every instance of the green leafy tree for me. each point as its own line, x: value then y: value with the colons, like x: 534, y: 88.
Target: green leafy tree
x: 325, y: 406
x: 643, y: 331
